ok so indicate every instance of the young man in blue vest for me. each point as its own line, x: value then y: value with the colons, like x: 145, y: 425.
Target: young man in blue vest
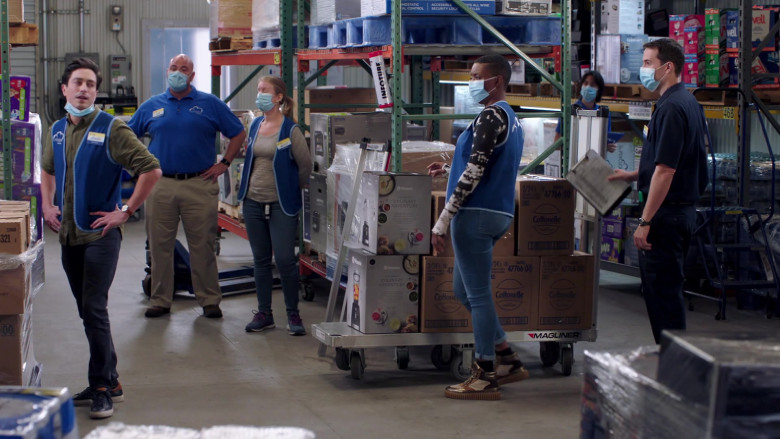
x: 183, y: 124
x: 82, y: 167
x: 481, y: 207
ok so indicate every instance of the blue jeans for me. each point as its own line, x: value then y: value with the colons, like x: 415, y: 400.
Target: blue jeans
x: 662, y: 268
x: 90, y: 269
x: 275, y: 236
x: 474, y: 232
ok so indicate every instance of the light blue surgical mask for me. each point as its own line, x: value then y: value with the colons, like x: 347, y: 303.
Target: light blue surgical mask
x: 647, y: 76
x: 264, y: 102
x: 588, y: 93
x: 177, y: 81
x: 73, y: 111
x: 477, y: 89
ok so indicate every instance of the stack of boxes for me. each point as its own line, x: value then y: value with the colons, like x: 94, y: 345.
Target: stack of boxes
x: 617, y: 231
x: 716, y: 70
x: 689, y: 32
x: 764, y: 17
x: 21, y: 276
x: 620, y: 41
x: 538, y: 281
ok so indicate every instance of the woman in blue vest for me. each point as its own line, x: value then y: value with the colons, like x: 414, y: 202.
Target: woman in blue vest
x: 276, y: 167
x: 591, y: 88
x: 480, y: 207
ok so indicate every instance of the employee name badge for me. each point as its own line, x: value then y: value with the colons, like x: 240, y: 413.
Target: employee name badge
x: 283, y: 143
x: 96, y: 138
x: 158, y: 112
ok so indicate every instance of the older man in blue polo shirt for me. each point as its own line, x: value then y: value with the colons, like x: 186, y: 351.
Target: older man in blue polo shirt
x: 183, y: 124
x: 672, y: 176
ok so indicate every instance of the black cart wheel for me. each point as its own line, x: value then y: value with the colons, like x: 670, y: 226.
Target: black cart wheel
x: 402, y: 357
x: 441, y: 357
x: 146, y: 285
x: 567, y: 359
x: 460, y: 371
x: 307, y: 291
x: 356, y: 365
x: 549, y: 351
x: 342, y: 359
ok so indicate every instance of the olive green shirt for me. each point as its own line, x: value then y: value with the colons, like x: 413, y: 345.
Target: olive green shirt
x: 125, y: 149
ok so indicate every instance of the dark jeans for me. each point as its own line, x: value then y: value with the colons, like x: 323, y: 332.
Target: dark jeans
x: 662, y: 268
x: 273, y: 236
x: 90, y: 269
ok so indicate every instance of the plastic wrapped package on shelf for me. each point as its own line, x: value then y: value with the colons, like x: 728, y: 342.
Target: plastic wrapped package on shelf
x: 417, y: 155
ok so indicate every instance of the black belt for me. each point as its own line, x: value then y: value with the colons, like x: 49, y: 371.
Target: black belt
x: 183, y: 175
x: 677, y: 203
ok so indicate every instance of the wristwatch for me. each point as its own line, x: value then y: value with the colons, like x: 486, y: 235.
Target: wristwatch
x: 643, y: 223
x: 225, y: 161
x: 126, y: 209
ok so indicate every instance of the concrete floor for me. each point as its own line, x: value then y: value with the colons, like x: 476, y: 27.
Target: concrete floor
x: 188, y: 371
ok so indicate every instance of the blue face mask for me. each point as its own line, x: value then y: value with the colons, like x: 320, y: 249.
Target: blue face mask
x: 588, y: 93
x: 73, y: 111
x: 177, y: 81
x: 477, y: 89
x: 264, y: 102
x: 647, y: 76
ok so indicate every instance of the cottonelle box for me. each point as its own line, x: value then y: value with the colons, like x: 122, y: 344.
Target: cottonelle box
x: 15, y: 286
x: 545, y: 216
x: 382, y: 292
x: 566, y: 292
x: 515, y: 286
x: 16, y: 346
x: 392, y: 213
x: 505, y: 246
x: 14, y: 232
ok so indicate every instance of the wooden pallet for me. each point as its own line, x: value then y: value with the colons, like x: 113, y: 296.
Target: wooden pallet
x: 24, y: 34
x: 228, y: 44
x: 231, y: 211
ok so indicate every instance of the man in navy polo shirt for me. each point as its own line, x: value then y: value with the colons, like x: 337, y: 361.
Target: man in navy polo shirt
x: 183, y: 124
x: 672, y: 176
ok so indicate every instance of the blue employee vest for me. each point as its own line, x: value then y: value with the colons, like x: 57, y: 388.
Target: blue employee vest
x: 96, y: 176
x: 285, y: 169
x: 496, y: 188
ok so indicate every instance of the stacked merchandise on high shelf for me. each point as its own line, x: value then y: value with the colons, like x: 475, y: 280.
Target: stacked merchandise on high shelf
x: 759, y: 188
x: 620, y: 40
x: 768, y: 61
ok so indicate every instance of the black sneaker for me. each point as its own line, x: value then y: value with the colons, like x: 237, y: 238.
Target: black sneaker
x: 102, y: 406
x: 84, y: 397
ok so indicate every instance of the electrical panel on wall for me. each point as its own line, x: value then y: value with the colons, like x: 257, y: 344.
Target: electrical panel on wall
x: 119, y: 67
x: 115, y: 15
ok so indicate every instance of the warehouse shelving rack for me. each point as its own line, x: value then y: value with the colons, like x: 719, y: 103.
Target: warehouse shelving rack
x: 5, y: 63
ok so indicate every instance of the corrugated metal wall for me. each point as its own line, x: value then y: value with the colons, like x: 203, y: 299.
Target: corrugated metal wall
x: 98, y: 38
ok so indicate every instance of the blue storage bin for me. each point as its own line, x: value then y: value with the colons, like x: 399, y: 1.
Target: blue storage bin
x: 368, y: 31
x: 543, y: 31
x: 338, y: 34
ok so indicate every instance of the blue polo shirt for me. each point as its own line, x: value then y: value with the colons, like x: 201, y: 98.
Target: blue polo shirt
x: 675, y: 138
x: 184, y: 132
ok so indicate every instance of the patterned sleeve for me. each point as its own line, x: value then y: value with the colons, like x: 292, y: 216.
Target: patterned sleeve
x: 489, y: 128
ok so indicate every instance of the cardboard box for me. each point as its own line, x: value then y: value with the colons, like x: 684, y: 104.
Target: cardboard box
x: 612, y: 228
x: 315, y: 213
x: 524, y: 7
x: 340, y: 95
x: 11, y: 340
x: 234, y: 18
x: 15, y: 11
x: 631, y: 52
x: 716, y: 68
x: 328, y: 11
x: 20, y: 97
x: 440, y: 309
x: 14, y: 232
x: 612, y: 249
x: 623, y: 211
x: 763, y: 20
x: 515, y: 283
x: 693, y: 71
x: 15, y: 289
x: 229, y: 182
x: 679, y: 23
x: 766, y: 62
x: 382, y: 292
x: 503, y: 247
x: 23, y: 156
x: 694, y: 41
x: 715, y: 27
x: 328, y: 130
x: 429, y: 7
x: 566, y: 292
x: 545, y: 216
x: 417, y: 155
x: 392, y: 213
x: 623, y: 17
x: 29, y: 195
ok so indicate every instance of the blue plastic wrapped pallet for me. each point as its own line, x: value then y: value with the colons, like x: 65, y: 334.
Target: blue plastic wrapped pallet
x: 37, y: 413
x: 528, y: 30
